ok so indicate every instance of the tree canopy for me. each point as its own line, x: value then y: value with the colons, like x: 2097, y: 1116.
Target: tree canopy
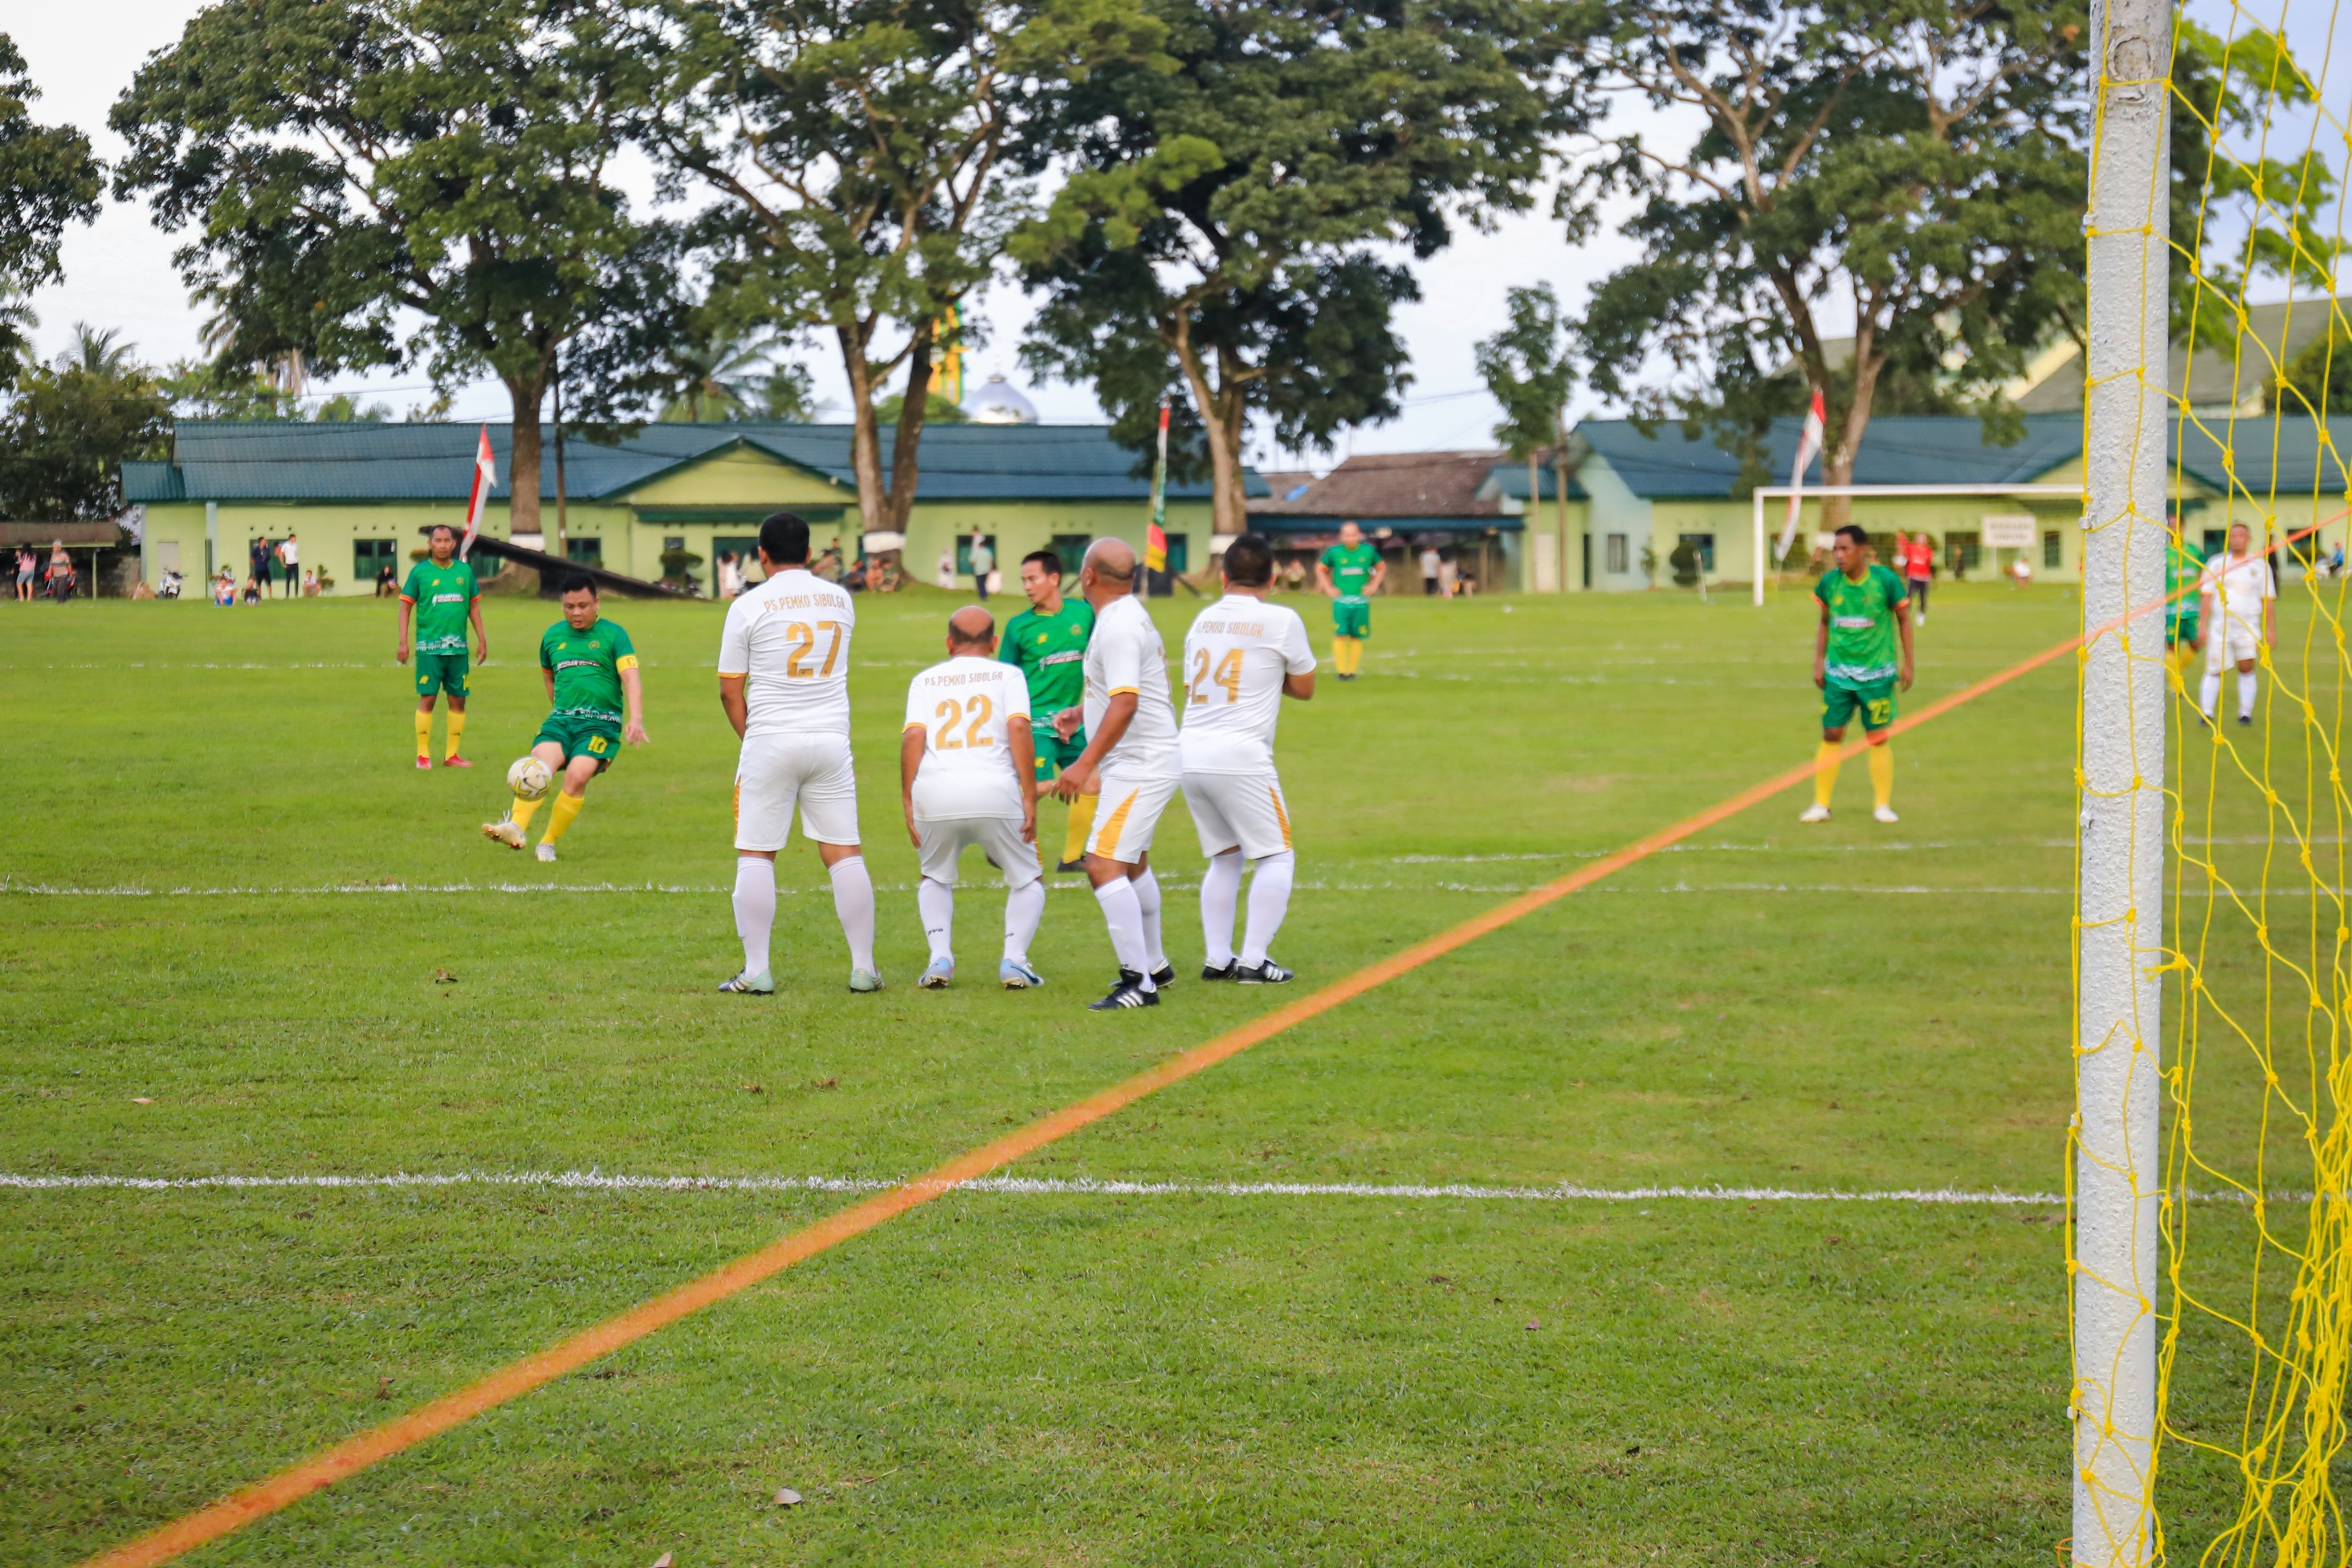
x: 48, y: 179
x: 862, y: 152
x: 69, y: 425
x: 397, y: 182
x: 1227, y: 224
x: 1914, y: 166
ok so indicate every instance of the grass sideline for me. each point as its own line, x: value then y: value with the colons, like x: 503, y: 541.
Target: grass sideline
x: 278, y: 1031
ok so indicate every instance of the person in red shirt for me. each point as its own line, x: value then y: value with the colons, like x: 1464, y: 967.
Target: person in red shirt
x: 1918, y: 556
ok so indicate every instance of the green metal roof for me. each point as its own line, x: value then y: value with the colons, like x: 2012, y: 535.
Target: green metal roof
x: 273, y: 460
x: 1510, y: 480
x: 2266, y: 455
x: 1897, y: 449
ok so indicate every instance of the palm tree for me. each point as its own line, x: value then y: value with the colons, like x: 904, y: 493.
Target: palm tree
x: 730, y: 373
x: 100, y: 353
x: 17, y: 324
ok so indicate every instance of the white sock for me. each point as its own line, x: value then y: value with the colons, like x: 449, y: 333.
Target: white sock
x: 1023, y: 908
x: 1116, y: 897
x: 1147, y: 900
x: 755, y: 909
x: 935, y: 901
x: 2208, y: 693
x: 2246, y: 679
x: 1269, y: 901
x: 853, y: 901
x: 1221, y: 895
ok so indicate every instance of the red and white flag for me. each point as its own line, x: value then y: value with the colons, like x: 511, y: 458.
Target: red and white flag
x: 486, y: 474
x: 1809, y: 446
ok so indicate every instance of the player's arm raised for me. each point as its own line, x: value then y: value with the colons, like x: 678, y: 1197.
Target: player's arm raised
x: 911, y: 742
x: 1023, y: 747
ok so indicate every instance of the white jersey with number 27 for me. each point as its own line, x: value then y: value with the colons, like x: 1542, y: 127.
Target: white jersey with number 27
x: 1237, y: 655
x: 790, y: 638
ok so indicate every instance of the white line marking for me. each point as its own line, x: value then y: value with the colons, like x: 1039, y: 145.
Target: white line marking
x: 596, y: 1181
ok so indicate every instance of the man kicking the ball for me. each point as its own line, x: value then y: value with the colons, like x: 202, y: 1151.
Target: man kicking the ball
x: 1242, y: 657
x: 596, y: 701
x: 968, y: 775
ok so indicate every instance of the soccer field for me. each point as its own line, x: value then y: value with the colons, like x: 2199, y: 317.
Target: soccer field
x: 243, y: 937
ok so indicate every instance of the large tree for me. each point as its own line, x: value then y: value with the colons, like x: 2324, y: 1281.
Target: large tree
x: 67, y: 426
x: 1529, y: 368
x: 1912, y: 167
x: 397, y: 182
x: 1227, y: 225
x: 862, y: 152
x: 48, y: 179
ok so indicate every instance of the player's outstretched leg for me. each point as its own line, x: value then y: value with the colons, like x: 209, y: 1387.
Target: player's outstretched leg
x: 1269, y: 901
x: 1025, y: 909
x: 935, y: 901
x: 755, y: 921
x: 1220, y: 896
x: 509, y: 830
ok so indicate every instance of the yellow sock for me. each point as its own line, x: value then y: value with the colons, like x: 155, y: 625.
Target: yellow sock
x: 1082, y: 822
x: 566, y: 807
x: 456, y: 728
x: 424, y: 733
x: 522, y: 811
x: 1825, y: 770
x: 1339, y: 656
x: 1881, y: 773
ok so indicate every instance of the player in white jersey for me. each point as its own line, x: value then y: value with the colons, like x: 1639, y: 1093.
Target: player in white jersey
x: 2238, y: 603
x: 968, y: 774
x: 1242, y: 657
x: 783, y: 679
x: 1131, y: 754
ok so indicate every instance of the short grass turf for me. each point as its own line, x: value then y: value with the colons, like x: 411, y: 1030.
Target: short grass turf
x: 239, y: 933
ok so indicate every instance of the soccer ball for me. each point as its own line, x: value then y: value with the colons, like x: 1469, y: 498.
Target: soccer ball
x: 529, y: 778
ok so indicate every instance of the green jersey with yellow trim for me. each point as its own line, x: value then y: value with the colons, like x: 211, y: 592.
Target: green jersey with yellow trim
x: 1862, y: 646
x: 1352, y: 567
x: 1050, y: 652
x: 443, y: 595
x: 587, y: 666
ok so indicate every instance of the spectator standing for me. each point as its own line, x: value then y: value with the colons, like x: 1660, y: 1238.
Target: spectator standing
x: 730, y: 575
x: 1432, y: 563
x: 1449, y: 577
x: 29, y: 567
x: 290, y: 556
x: 1918, y: 560
x: 61, y: 572
x: 983, y: 561
x: 258, y: 560
x: 946, y: 570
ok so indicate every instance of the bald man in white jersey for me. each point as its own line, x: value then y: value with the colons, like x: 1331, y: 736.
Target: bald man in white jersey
x: 783, y: 679
x: 1242, y: 657
x: 1130, y: 727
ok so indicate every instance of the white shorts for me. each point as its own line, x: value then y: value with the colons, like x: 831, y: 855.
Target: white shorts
x: 1128, y: 814
x: 2228, y: 642
x: 998, y: 837
x: 777, y: 773
x: 1243, y: 809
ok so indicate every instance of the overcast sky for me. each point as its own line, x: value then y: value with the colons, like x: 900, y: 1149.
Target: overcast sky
x: 118, y: 271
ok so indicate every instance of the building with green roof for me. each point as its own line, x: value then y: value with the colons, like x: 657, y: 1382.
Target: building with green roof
x: 358, y: 495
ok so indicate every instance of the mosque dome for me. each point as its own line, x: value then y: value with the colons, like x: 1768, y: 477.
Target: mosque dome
x: 999, y: 402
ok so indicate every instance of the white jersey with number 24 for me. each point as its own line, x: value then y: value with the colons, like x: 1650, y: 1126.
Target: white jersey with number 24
x: 1236, y: 657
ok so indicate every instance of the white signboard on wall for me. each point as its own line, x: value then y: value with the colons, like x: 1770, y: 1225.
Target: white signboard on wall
x: 2009, y: 530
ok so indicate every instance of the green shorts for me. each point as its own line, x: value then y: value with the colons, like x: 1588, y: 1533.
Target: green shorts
x: 441, y: 673
x: 580, y: 736
x: 1351, y: 616
x: 2181, y: 629
x: 1875, y: 702
x: 1054, y: 753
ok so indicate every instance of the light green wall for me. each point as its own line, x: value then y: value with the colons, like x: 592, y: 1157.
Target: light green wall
x: 323, y: 531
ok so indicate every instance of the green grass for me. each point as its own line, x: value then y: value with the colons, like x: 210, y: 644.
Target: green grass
x: 199, y: 981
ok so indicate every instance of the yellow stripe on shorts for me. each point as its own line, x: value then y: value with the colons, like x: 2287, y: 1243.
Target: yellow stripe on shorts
x: 1280, y: 815
x: 1107, y: 834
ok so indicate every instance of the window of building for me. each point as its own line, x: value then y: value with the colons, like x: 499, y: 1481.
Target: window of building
x: 745, y: 548
x: 1620, y: 556
x: 1705, y: 545
x: 1070, y: 550
x: 2216, y: 541
x: 591, y: 551
x: 963, y: 553
x: 1963, y: 552
x: 2054, y: 549
x: 1180, y: 554
x: 369, y: 557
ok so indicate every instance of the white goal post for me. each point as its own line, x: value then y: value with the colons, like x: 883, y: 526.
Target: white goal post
x: 1783, y: 492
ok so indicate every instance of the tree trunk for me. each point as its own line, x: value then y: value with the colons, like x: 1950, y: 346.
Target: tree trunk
x: 865, y: 435
x: 1221, y: 412
x: 525, y: 454
x: 1840, y: 445
x: 1535, y: 510
x: 905, y: 470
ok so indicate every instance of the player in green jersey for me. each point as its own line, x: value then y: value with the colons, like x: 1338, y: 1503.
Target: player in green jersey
x: 443, y: 596
x: 1047, y: 642
x: 1349, y: 572
x: 595, y: 699
x: 2184, y: 569
x: 1865, y: 612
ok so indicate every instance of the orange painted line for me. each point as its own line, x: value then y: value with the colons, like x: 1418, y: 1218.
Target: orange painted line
x: 378, y: 1443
